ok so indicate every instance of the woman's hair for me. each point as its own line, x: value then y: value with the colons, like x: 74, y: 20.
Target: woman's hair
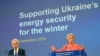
x: 70, y: 34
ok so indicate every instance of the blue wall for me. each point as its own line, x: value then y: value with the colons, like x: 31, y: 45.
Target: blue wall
x: 80, y: 17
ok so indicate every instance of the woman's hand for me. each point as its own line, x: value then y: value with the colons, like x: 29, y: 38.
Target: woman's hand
x: 82, y: 47
x: 53, y: 48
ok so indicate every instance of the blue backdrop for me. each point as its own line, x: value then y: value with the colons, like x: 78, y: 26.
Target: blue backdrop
x: 20, y: 18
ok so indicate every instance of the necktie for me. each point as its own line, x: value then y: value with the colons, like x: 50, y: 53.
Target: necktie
x: 16, y: 52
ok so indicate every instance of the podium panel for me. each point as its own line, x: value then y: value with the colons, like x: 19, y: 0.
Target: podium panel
x: 68, y: 53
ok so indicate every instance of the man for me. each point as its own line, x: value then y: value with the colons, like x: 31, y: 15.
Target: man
x: 16, y: 51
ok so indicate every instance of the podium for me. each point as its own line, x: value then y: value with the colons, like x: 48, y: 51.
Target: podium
x: 69, y: 53
x: 15, y: 55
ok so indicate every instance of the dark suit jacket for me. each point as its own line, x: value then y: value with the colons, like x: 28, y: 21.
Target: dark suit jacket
x: 21, y: 52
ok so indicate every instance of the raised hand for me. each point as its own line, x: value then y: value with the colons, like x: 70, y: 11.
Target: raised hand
x: 82, y: 47
x: 52, y: 48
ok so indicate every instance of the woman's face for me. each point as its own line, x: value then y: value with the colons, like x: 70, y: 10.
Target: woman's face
x: 70, y: 39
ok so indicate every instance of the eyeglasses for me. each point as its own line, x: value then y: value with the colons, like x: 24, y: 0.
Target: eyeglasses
x: 14, y: 43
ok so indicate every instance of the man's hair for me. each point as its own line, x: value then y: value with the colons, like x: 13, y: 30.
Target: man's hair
x: 15, y: 40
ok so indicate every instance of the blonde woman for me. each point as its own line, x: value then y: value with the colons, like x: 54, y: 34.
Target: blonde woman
x: 70, y: 46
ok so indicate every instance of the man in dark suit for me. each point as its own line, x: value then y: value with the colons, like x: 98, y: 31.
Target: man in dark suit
x: 16, y: 51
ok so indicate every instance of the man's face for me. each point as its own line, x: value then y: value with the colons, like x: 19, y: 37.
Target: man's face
x: 15, y: 44
x: 70, y: 39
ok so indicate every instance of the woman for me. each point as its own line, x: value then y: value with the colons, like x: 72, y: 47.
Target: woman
x: 70, y: 46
